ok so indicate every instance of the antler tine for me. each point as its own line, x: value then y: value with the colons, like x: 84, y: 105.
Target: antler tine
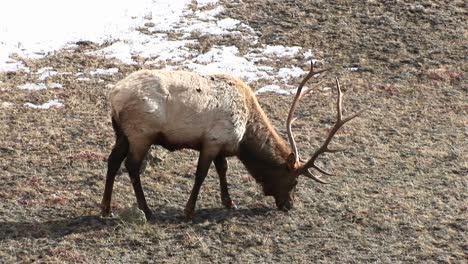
x: 340, y: 100
x: 309, y: 174
x: 297, y: 97
x: 324, y: 148
x: 306, y: 92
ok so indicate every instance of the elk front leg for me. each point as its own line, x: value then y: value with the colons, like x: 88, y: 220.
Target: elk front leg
x: 204, y: 162
x: 221, y: 168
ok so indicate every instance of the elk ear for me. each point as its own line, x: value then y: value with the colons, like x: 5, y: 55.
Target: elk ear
x: 291, y: 161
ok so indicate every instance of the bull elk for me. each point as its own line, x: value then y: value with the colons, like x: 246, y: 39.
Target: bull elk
x: 217, y: 115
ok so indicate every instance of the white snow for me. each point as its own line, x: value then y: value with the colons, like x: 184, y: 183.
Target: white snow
x: 226, y: 59
x: 47, y: 74
x: 109, y: 71
x: 86, y: 20
x: 202, y: 3
x: 56, y: 85
x: 228, y: 23
x: 45, y: 69
x: 286, y: 73
x: 4, y: 105
x: 32, y: 86
x: 40, y: 86
x: 308, y: 54
x: 282, y: 51
x: 221, y: 27
x: 273, y: 88
x: 209, y: 14
x: 157, y: 47
x: 34, y: 29
x: 49, y: 104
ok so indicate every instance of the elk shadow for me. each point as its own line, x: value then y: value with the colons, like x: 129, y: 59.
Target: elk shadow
x: 56, y: 229
x: 53, y: 228
x: 175, y: 215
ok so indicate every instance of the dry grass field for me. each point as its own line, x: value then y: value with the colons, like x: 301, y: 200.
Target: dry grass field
x: 400, y: 194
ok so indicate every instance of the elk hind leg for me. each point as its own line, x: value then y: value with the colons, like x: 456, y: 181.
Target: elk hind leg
x: 118, y: 154
x: 136, y: 154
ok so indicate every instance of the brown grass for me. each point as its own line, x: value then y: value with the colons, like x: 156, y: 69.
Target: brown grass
x: 401, y: 190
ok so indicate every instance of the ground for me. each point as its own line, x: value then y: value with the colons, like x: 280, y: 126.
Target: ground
x: 400, y: 193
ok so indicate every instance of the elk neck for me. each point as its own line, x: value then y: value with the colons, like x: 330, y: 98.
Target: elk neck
x: 261, y: 148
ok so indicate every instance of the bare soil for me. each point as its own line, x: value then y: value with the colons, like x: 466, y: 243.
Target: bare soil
x: 400, y: 194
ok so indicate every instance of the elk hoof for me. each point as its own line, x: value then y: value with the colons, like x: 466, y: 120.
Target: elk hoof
x: 189, y: 211
x: 148, y: 214
x: 229, y: 204
x: 189, y: 214
x: 107, y: 215
x: 284, y: 205
x: 106, y: 211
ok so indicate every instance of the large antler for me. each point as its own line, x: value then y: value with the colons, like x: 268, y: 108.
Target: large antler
x: 304, y: 170
x: 299, y: 95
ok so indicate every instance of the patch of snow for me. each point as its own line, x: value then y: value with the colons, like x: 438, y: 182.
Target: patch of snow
x: 209, y: 14
x: 282, y: 51
x: 49, y: 104
x: 256, y: 58
x: 8, y: 65
x: 158, y: 47
x: 266, y: 68
x: 172, y: 41
x: 47, y: 74
x: 227, y: 60
x: 353, y: 69
x: 228, y: 23
x: 203, y: 3
x: 4, y: 105
x: 286, y: 73
x: 175, y: 51
x: 308, y: 54
x: 220, y: 27
x: 273, y: 88
x: 56, y: 85
x: 250, y: 30
x: 44, y: 69
x: 119, y: 50
x: 78, y: 20
x: 109, y: 71
x: 32, y: 86
x: 40, y: 86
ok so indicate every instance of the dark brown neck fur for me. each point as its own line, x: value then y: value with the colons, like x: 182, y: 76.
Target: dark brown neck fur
x: 262, y: 149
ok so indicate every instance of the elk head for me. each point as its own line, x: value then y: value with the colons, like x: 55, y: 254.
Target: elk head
x: 286, y: 178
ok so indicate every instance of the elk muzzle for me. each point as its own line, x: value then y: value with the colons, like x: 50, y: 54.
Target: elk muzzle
x: 284, y: 203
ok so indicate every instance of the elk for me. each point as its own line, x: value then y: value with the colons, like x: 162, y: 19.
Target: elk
x: 217, y: 115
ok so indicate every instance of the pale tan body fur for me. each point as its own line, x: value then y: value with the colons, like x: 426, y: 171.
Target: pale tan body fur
x: 189, y: 110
